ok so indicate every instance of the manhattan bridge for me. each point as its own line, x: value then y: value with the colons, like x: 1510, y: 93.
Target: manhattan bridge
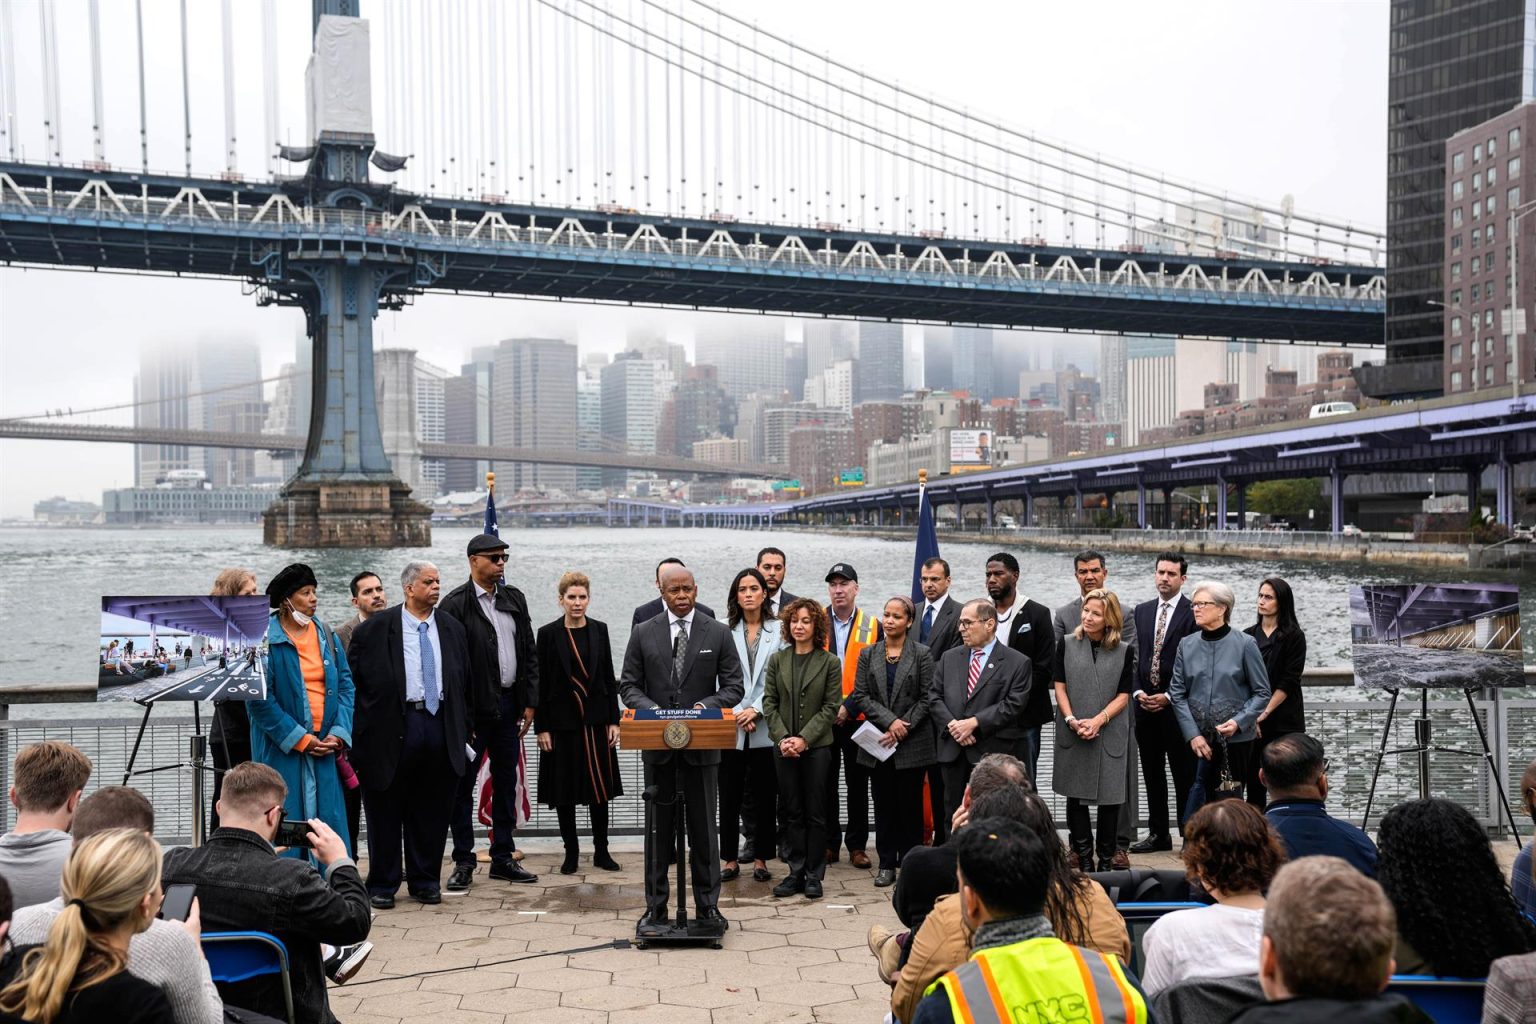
x: 615, y: 151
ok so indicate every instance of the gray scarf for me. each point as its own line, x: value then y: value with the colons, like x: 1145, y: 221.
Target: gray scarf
x: 1011, y: 930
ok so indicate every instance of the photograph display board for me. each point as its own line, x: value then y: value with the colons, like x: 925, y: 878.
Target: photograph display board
x: 182, y: 647
x: 1454, y: 635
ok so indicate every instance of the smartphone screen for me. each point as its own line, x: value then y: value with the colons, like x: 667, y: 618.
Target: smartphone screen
x: 293, y: 833
x: 178, y: 902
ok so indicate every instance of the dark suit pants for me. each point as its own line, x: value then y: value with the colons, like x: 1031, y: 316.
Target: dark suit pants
x: 414, y: 807
x: 1080, y: 833
x: 1159, y: 739
x: 957, y: 775
x: 701, y: 803
x: 803, y: 787
x: 856, y: 784
x: 743, y: 773
x: 506, y: 747
x: 898, y: 811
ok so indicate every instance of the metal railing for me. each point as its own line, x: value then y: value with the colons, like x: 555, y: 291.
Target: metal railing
x: 1349, y: 723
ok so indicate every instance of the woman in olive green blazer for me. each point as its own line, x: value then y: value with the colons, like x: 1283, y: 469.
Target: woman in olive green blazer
x: 801, y: 692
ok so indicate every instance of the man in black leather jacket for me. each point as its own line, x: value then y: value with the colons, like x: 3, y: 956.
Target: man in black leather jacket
x: 504, y: 691
x: 243, y: 885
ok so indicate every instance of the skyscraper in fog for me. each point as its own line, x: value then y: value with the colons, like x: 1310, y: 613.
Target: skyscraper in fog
x: 1151, y: 387
x: 1112, y: 377
x: 747, y: 353
x: 534, y: 402
x: 973, y: 368
x: 629, y: 407
x: 877, y: 375
x: 828, y: 342
x: 210, y: 384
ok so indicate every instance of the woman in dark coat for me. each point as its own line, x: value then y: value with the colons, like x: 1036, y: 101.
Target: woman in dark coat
x: 891, y: 689
x: 1283, y: 645
x: 577, y: 722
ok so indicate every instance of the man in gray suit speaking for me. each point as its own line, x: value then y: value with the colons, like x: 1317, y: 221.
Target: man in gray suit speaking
x: 681, y: 659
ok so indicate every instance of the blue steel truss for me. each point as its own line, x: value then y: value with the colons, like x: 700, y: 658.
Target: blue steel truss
x: 260, y: 231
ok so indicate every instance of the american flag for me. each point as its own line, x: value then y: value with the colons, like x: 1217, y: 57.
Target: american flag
x: 483, y: 792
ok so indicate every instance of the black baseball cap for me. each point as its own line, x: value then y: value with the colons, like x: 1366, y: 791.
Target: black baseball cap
x: 483, y: 542
x: 844, y: 570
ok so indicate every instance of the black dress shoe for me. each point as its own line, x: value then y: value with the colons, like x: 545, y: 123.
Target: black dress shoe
x: 567, y: 866
x: 761, y: 874
x: 430, y: 897
x: 885, y: 877
x: 730, y: 873
x: 791, y: 885
x: 512, y: 871
x: 381, y: 901
x: 460, y: 879
x: 655, y: 917
x: 712, y: 915
x: 1106, y: 864
x: 601, y: 859
x: 813, y: 888
x: 1154, y: 843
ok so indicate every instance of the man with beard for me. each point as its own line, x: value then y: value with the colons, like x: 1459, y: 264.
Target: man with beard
x: 1025, y: 626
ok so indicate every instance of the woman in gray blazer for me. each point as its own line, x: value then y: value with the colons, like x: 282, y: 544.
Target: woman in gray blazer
x: 750, y: 765
x: 1092, y: 677
x: 891, y: 689
x: 1219, y: 688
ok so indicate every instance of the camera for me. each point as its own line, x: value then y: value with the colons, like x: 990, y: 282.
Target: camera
x: 293, y: 833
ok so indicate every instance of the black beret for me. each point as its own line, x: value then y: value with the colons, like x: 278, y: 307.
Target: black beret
x: 290, y: 580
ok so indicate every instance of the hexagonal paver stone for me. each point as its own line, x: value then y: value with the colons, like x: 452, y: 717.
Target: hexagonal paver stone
x: 562, y: 979
x: 708, y: 995
x: 762, y: 1013
x: 608, y: 997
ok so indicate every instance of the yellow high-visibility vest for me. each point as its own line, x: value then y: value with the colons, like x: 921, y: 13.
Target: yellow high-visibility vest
x: 1041, y: 981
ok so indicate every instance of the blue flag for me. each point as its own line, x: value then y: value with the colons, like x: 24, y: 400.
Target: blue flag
x: 927, y: 543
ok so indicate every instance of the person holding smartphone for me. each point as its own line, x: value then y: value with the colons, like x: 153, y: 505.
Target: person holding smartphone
x: 243, y: 885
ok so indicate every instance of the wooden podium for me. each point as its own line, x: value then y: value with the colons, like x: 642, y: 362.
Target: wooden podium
x: 677, y: 730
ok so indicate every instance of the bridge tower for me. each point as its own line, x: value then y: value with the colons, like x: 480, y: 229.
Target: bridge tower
x: 345, y: 493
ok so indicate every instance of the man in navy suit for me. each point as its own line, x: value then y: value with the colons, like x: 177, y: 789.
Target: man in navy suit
x: 651, y: 609
x: 682, y: 658
x: 411, y: 721
x: 1160, y: 624
x: 977, y: 700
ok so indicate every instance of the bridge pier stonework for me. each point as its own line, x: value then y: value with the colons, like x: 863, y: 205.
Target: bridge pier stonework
x: 345, y: 493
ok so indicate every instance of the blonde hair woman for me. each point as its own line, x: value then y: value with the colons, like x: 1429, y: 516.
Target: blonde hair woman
x: 1093, y: 687
x: 111, y: 892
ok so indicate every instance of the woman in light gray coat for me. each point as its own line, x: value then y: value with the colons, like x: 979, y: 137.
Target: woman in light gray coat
x: 1093, y: 687
x: 750, y: 768
x: 1218, y: 689
x: 891, y: 689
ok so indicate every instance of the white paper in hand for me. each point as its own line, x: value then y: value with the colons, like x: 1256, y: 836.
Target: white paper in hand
x: 868, y: 737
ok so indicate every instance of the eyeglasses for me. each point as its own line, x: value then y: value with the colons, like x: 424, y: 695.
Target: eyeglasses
x: 497, y: 557
x: 1202, y: 604
x: 1324, y: 769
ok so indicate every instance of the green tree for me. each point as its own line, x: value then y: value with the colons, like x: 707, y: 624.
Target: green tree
x: 1292, y: 499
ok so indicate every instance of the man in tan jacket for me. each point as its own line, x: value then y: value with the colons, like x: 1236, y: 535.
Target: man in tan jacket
x: 944, y: 943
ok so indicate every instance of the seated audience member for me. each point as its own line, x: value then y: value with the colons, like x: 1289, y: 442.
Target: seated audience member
x: 1232, y: 852
x: 928, y: 872
x: 1295, y: 773
x: 166, y: 954
x: 243, y: 885
x: 1455, y: 914
x: 1522, y: 878
x: 1080, y: 911
x: 48, y: 779
x: 111, y: 890
x: 1016, y: 959
x: 1510, y: 996
x: 1326, y: 953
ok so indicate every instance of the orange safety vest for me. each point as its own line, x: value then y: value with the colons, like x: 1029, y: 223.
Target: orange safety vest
x: 863, y: 632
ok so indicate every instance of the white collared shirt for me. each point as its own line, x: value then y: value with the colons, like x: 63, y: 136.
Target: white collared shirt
x: 673, y: 620
x: 506, y: 633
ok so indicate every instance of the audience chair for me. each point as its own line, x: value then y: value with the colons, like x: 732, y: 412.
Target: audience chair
x: 240, y: 956
x: 1201, y: 1000
x: 1447, y: 1000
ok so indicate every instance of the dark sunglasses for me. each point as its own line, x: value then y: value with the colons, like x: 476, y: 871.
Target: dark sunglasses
x: 498, y: 557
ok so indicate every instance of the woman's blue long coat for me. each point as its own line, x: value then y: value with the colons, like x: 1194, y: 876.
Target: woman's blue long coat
x: 280, y: 721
